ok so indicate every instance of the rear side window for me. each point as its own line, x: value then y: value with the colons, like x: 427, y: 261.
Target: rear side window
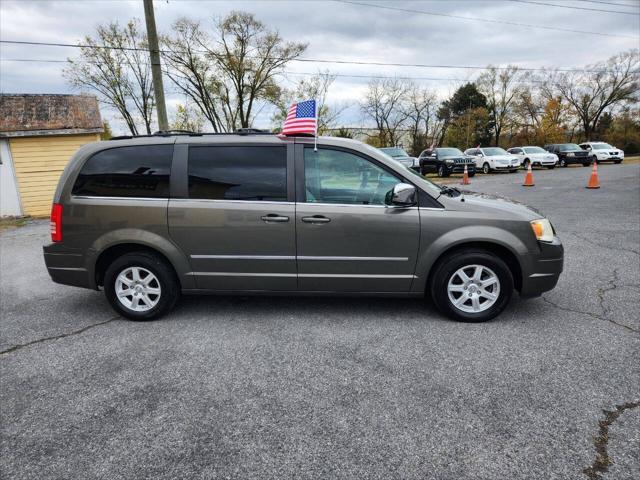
x: 140, y: 171
x: 255, y: 173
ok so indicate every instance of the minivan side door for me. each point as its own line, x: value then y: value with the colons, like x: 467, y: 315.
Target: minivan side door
x: 234, y: 215
x: 348, y: 240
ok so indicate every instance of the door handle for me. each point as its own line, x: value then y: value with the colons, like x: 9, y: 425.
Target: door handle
x: 274, y: 218
x: 316, y: 219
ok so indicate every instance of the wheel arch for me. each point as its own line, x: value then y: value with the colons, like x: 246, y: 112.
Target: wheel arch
x: 119, y: 242
x: 508, y: 250
x: 500, y: 251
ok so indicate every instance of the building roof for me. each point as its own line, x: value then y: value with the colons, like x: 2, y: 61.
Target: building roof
x: 37, y: 115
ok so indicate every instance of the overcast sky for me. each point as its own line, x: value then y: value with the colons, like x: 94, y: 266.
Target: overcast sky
x: 343, y: 31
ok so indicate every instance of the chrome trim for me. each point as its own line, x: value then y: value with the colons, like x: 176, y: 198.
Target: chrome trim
x: 71, y: 269
x: 301, y: 257
x: 350, y: 275
x: 242, y: 274
x: 359, y: 205
x: 244, y: 202
x: 245, y: 257
x: 536, y: 275
x: 293, y: 275
x: 365, y: 259
x: 98, y: 197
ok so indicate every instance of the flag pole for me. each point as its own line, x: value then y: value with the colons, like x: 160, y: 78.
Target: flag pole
x: 315, y: 142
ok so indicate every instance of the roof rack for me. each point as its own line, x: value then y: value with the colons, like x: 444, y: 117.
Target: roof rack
x: 171, y: 133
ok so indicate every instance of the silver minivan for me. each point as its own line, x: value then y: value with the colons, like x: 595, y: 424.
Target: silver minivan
x: 150, y: 218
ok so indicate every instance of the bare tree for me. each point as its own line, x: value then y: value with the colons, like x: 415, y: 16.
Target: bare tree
x: 192, y: 72
x: 599, y: 87
x: 315, y: 87
x: 114, y: 65
x: 421, y: 122
x: 385, y: 104
x: 501, y: 88
x: 248, y: 58
x: 186, y: 117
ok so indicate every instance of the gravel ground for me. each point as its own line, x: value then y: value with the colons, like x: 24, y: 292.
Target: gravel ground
x: 235, y: 387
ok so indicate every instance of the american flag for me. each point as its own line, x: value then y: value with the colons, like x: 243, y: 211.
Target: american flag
x: 301, y: 119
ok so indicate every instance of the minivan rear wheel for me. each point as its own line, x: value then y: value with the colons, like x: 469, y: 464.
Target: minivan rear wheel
x: 141, y: 286
x: 472, y: 285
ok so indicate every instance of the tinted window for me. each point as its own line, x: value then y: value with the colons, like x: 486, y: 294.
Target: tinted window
x: 238, y: 173
x: 334, y: 176
x: 140, y: 171
x: 448, y: 152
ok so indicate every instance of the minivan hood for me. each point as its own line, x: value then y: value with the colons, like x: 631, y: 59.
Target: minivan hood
x: 491, y: 204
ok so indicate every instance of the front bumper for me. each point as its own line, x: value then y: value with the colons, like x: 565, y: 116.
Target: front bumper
x: 459, y: 168
x: 542, y: 270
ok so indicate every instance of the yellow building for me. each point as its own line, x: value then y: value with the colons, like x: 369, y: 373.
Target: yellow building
x: 38, y: 136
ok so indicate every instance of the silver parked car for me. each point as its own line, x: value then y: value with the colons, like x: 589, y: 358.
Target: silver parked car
x: 399, y: 155
x: 150, y: 218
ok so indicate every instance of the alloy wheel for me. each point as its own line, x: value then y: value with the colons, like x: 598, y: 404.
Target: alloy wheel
x: 473, y: 288
x: 138, y: 289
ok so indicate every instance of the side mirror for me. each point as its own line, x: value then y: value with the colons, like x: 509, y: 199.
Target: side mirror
x: 401, y: 195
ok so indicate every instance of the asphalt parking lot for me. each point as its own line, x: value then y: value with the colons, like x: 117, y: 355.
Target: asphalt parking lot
x: 236, y: 387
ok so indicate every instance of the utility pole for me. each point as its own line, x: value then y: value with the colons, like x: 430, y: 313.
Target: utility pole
x: 156, y: 70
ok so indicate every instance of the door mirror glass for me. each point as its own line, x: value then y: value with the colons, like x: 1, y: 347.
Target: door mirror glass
x: 401, y: 195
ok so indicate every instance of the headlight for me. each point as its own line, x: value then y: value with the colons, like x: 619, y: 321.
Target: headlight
x: 571, y: 154
x: 449, y: 161
x: 542, y: 229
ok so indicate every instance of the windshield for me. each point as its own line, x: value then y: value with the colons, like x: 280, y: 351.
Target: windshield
x: 449, y: 152
x: 567, y: 147
x: 534, y: 150
x: 395, y: 152
x: 494, y: 151
x: 601, y: 146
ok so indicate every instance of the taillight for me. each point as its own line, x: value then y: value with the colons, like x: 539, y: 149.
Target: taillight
x: 56, y: 222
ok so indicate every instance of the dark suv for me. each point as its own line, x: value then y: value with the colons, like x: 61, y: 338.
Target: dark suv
x: 150, y: 218
x: 445, y: 161
x: 569, y: 153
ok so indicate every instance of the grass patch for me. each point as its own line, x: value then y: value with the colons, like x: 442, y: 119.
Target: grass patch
x: 7, y: 223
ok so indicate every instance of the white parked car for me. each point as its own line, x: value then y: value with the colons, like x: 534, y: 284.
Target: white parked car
x: 534, y: 156
x: 603, y: 152
x: 489, y: 159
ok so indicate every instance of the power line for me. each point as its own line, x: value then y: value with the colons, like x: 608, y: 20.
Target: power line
x: 628, y: 5
x: 545, y: 4
x: 478, y: 19
x: 321, y: 60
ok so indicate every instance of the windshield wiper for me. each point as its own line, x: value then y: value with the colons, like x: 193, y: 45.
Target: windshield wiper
x: 451, y: 191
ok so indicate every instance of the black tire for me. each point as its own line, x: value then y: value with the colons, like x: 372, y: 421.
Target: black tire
x: 617, y: 162
x: 166, y: 278
x: 442, y: 171
x: 486, y: 168
x: 445, y: 269
x: 563, y: 163
x: 526, y: 163
x: 551, y: 167
x: 586, y: 164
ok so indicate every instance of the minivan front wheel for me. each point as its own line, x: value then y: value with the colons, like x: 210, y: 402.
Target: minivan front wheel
x: 141, y: 286
x: 472, y: 286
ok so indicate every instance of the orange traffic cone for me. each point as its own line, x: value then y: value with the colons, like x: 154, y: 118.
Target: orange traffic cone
x: 593, y: 181
x: 528, y: 180
x: 465, y: 177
